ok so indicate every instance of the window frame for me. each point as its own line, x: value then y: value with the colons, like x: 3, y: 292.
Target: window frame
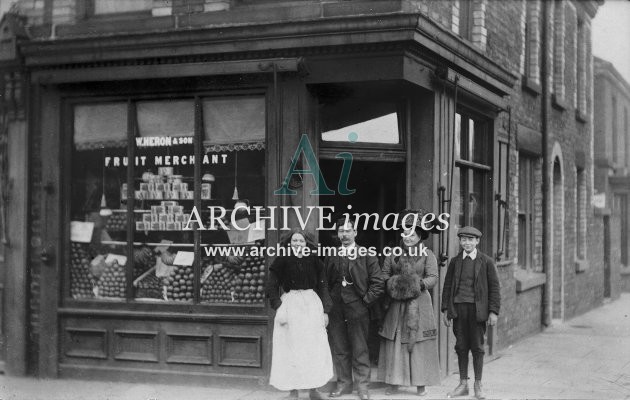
x: 526, y: 244
x: 465, y: 169
x: 129, y: 302
x: 86, y: 10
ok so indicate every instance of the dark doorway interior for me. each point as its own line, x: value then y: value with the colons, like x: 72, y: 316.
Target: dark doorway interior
x: 380, y: 188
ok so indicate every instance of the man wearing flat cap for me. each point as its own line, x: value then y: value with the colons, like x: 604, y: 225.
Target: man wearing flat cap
x: 471, y: 298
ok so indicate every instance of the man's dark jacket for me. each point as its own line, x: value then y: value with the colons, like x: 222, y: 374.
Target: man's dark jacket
x: 486, y: 286
x: 365, y: 272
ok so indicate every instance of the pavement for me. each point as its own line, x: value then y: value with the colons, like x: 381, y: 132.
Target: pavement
x: 587, y: 357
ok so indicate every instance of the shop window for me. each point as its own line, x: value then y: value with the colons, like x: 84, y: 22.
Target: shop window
x: 526, y: 191
x: 131, y: 205
x: 166, y: 118
x: 472, y: 200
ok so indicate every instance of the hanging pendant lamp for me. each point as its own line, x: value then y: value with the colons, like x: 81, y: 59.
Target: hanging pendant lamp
x: 235, y: 194
x: 104, y: 212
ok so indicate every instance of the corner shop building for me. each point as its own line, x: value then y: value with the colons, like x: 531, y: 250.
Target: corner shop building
x: 244, y: 93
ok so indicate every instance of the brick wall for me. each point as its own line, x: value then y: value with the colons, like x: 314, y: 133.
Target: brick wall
x: 520, y: 312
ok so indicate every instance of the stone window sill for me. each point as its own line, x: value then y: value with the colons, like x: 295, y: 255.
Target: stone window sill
x: 558, y: 103
x: 581, y: 265
x: 624, y: 270
x: 581, y: 116
x: 532, y: 87
x: 526, y: 280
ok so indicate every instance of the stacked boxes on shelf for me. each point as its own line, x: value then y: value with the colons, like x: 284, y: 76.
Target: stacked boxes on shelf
x: 168, y: 216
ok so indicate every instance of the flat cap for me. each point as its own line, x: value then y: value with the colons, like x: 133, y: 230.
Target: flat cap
x: 469, y: 231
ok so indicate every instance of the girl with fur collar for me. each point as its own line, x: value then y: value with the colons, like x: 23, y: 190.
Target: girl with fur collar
x: 409, y: 350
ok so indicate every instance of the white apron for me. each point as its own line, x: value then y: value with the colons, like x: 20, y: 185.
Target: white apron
x: 301, y: 357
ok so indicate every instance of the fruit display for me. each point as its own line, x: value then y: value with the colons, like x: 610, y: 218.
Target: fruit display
x: 117, y: 222
x: 81, y: 279
x: 179, y: 284
x: 250, y: 280
x: 218, y: 284
x: 143, y: 260
x: 235, y: 283
x: 112, y: 282
x: 149, y: 287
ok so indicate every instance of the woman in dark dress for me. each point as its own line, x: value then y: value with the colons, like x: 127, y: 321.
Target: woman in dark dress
x: 301, y: 357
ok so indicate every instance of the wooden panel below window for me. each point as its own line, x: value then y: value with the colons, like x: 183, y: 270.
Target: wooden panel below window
x: 136, y: 346
x: 189, y: 349
x: 244, y: 351
x: 86, y: 343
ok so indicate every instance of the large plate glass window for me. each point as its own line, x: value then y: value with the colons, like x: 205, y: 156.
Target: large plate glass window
x: 142, y: 170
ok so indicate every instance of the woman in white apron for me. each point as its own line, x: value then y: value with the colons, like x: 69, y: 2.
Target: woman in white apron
x: 301, y: 357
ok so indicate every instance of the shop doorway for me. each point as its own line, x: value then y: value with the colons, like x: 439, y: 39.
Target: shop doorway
x: 379, y: 188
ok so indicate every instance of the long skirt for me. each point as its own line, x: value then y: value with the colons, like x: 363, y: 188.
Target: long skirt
x: 301, y: 357
x: 397, y: 366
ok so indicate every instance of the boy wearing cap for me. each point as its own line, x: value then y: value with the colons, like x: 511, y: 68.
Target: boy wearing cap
x: 470, y: 298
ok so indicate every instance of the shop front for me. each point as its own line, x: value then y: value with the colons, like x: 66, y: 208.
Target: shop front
x: 138, y: 157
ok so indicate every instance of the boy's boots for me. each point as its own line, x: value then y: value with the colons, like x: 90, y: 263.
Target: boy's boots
x: 460, y: 390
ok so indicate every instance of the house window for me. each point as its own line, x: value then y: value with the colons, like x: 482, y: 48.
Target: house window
x: 559, y: 46
x: 532, y: 42
x: 140, y: 168
x: 626, y: 134
x: 580, y: 213
x: 615, y: 131
x: 465, y: 19
x: 621, y: 207
x: 526, y: 192
x: 113, y: 8
x: 117, y: 6
x: 581, y: 66
x: 473, y: 176
x: 502, y: 244
x: 469, y: 21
